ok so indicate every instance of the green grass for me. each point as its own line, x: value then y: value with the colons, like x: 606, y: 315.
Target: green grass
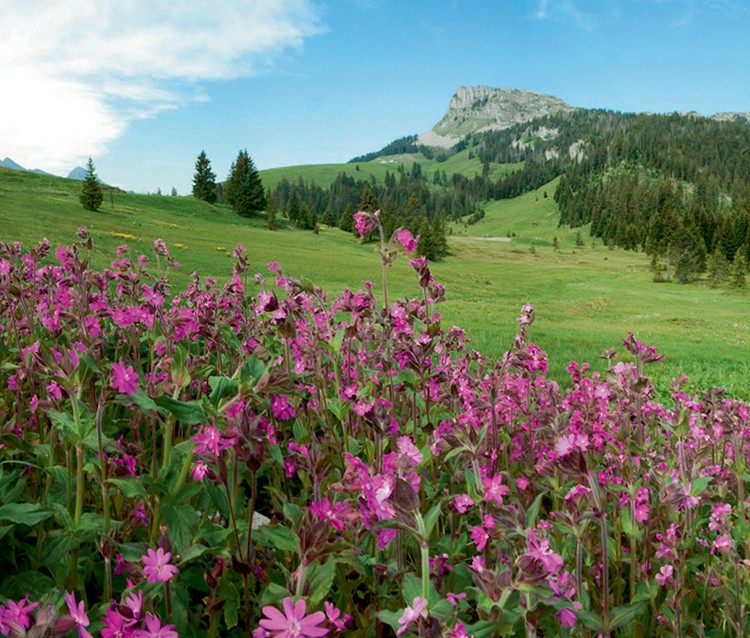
x: 586, y: 299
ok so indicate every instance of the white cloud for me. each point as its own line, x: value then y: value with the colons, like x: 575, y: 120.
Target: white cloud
x: 75, y: 73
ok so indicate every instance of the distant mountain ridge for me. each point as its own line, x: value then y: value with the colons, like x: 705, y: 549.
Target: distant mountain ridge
x: 78, y: 172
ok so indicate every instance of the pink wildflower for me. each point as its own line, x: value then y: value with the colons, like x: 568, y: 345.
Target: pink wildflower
x: 418, y: 609
x: 462, y: 503
x: 154, y: 629
x: 479, y: 536
x: 156, y: 565
x: 210, y: 441
x: 365, y: 221
x: 722, y: 544
x: 409, y: 450
x: 78, y: 615
x: 294, y: 622
x: 124, y: 378
x: 406, y: 239
x: 281, y: 408
x: 199, y: 470
x: 665, y: 575
x: 19, y: 612
x: 494, y: 490
x: 115, y: 625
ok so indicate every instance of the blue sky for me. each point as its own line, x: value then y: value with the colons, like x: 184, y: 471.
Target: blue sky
x: 144, y: 86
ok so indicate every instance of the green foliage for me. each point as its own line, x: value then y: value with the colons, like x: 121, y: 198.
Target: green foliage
x: 91, y: 196
x: 204, y: 180
x: 244, y: 188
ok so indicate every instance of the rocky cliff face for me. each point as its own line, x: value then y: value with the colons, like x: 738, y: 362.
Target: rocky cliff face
x: 481, y: 108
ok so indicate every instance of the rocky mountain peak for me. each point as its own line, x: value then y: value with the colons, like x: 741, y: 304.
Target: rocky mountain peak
x: 476, y: 109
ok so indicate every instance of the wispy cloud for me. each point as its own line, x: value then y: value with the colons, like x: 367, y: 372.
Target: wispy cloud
x: 75, y: 73
x: 568, y: 11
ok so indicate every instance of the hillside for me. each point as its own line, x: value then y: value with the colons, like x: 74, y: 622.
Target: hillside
x: 586, y: 298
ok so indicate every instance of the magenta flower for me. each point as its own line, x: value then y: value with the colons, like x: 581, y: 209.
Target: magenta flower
x: 664, y: 576
x: 210, y: 441
x: 418, y: 608
x: 115, y: 625
x: 199, y: 470
x: 156, y: 565
x: 406, y: 239
x: 124, y: 378
x: 365, y: 221
x: 78, y: 615
x: 281, y: 408
x: 494, y: 490
x: 154, y: 629
x: 19, y: 612
x: 294, y: 622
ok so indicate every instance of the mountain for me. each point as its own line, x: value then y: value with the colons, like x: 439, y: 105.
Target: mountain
x: 9, y: 163
x: 477, y: 109
x: 77, y: 173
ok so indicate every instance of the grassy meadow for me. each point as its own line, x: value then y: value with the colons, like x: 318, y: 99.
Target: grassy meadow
x: 586, y: 299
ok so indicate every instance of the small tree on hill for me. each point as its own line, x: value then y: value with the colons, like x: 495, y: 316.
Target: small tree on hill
x: 271, y: 212
x: 91, y: 193
x: 204, y: 180
x: 244, y: 189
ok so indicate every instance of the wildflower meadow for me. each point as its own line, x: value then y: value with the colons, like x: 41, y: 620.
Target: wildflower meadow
x: 257, y: 458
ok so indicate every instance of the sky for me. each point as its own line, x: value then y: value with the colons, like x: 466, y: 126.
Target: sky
x: 143, y: 86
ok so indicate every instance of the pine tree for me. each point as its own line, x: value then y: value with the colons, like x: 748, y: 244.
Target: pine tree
x: 368, y: 201
x: 244, y: 189
x: 204, y: 180
x: 174, y: 192
x: 439, y: 240
x: 271, y: 212
x: 346, y: 222
x: 739, y: 271
x: 718, y: 267
x: 294, y: 212
x: 91, y: 193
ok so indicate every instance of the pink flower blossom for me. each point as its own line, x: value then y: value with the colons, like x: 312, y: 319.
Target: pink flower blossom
x: 115, y: 625
x: 722, y: 544
x: 665, y: 575
x: 406, y: 239
x: 199, y: 470
x: 78, y: 615
x: 479, y: 536
x: 156, y: 565
x: 294, y: 622
x: 462, y: 503
x: 494, y: 490
x: 407, y: 448
x: 418, y: 609
x: 19, y: 612
x: 154, y: 629
x: 281, y: 408
x: 124, y: 378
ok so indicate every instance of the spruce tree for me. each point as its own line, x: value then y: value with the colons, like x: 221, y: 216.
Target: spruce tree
x: 271, y: 212
x: 91, y: 193
x: 739, y: 271
x: 204, y: 180
x: 244, y: 189
x: 346, y: 222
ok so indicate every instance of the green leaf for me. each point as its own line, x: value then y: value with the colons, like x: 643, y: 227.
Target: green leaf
x: 624, y: 615
x: 130, y: 487
x: 320, y: 578
x: 279, y: 536
x: 592, y: 620
x: 293, y: 513
x: 195, y: 550
x: 431, y: 518
x: 231, y: 596
x: 24, y: 513
x: 482, y: 629
x: 141, y: 399
x: 58, y: 544
x: 533, y: 512
x: 699, y: 485
x: 180, y: 520
x: 4, y: 530
x: 132, y: 552
x: 391, y: 618
x: 187, y: 412
x: 411, y: 587
x: 251, y: 372
x: 222, y: 387
x: 629, y: 526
